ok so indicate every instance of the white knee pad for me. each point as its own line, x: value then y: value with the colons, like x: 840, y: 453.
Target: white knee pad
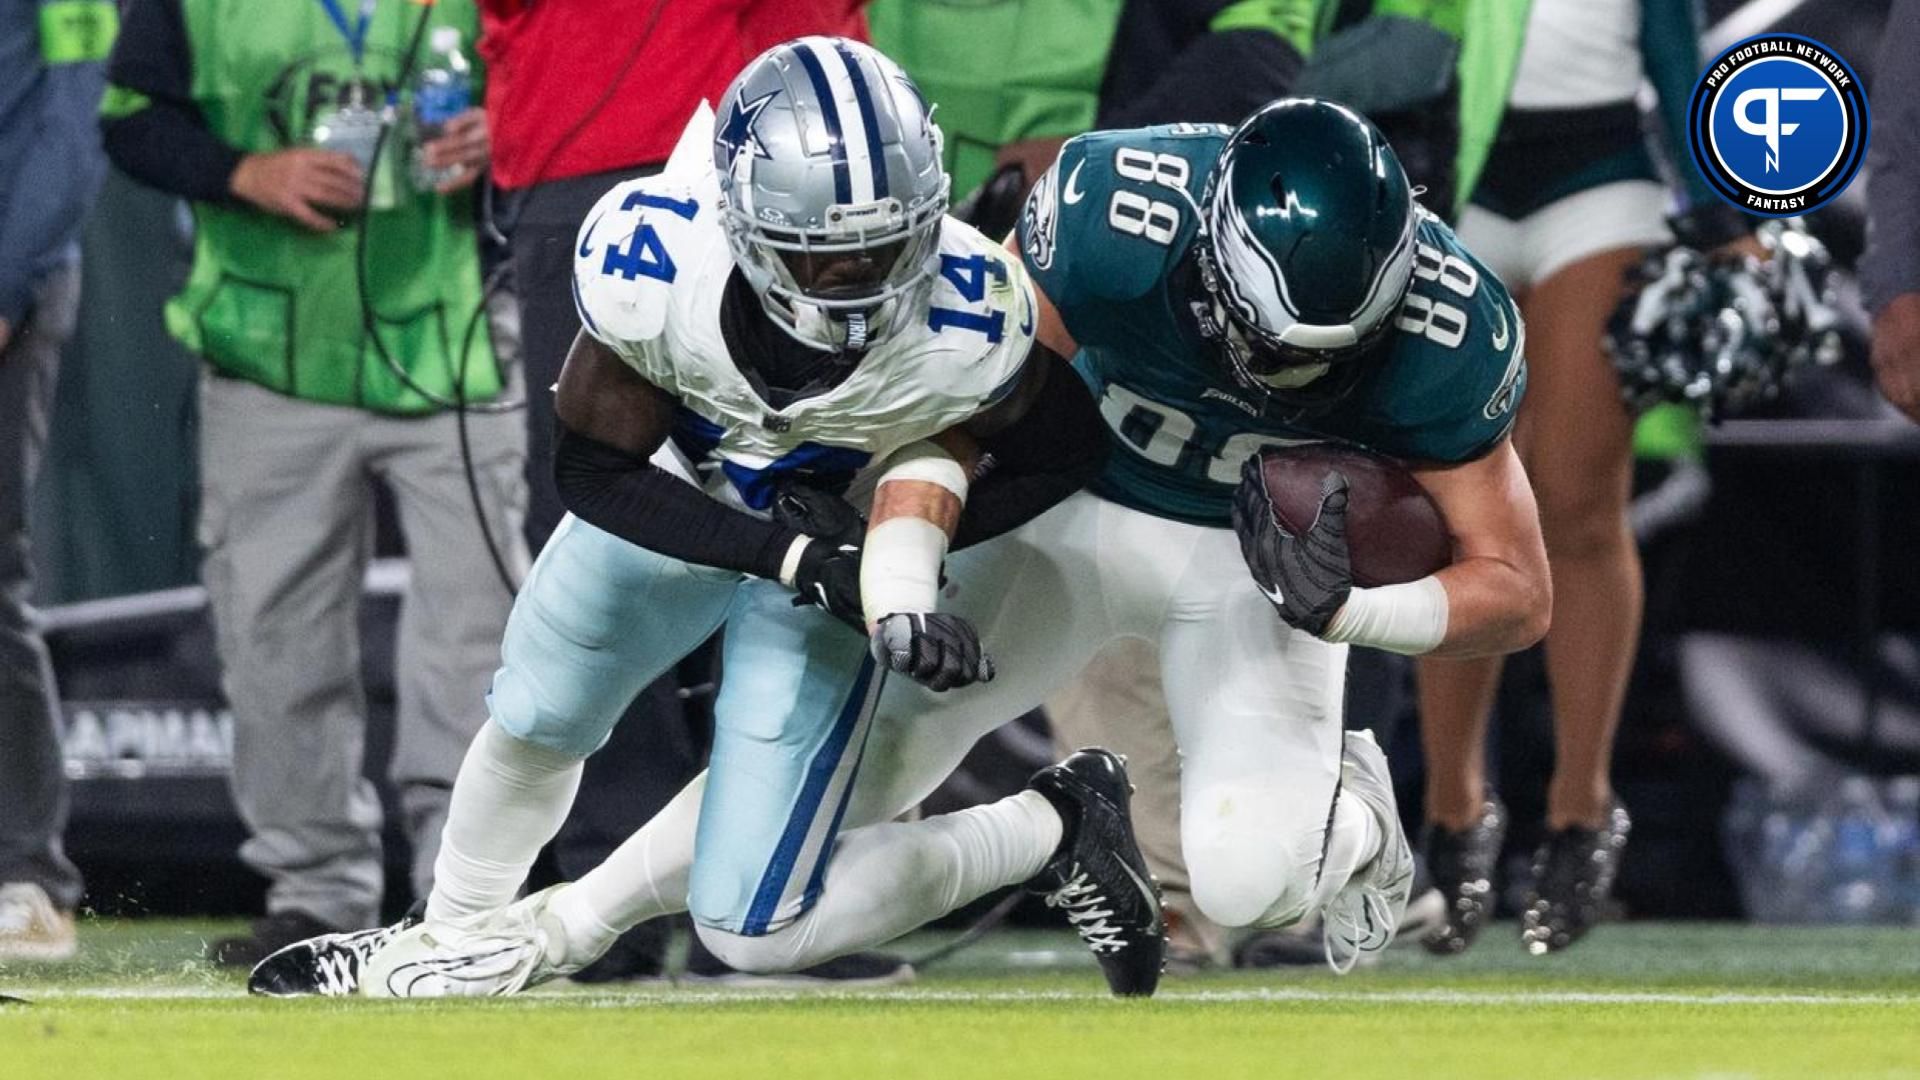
x: 762, y: 954
x: 1265, y: 893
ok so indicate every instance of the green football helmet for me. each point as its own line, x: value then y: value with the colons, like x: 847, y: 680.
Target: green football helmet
x: 1306, y: 250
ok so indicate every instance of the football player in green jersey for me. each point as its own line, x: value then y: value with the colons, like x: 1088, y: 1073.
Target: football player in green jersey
x: 1222, y: 291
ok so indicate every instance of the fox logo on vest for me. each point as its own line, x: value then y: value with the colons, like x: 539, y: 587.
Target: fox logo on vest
x: 312, y: 86
x: 1778, y: 125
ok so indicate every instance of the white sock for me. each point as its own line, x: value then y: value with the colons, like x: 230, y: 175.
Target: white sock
x: 1354, y: 838
x: 888, y: 879
x: 644, y: 878
x: 508, y: 801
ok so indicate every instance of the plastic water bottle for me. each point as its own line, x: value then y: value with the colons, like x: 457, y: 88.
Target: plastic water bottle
x: 1903, y: 843
x: 1796, y: 841
x: 1860, y: 871
x: 442, y: 91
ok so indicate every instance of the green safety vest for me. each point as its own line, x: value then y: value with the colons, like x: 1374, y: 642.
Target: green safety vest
x: 999, y: 71
x: 1005, y: 70
x: 1490, y: 33
x: 269, y: 301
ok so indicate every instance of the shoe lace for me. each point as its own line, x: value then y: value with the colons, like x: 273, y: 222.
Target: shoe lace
x: 1350, y: 929
x: 338, y: 968
x: 1082, y: 902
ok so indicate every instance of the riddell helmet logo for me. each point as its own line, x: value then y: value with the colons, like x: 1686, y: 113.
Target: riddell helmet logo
x: 1778, y: 125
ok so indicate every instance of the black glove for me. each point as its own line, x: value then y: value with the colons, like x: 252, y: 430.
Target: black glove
x: 819, y: 513
x: 829, y: 570
x: 938, y: 651
x: 1307, y: 577
x: 829, y: 575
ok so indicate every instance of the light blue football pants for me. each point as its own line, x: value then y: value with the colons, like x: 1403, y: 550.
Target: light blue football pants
x: 600, y: 618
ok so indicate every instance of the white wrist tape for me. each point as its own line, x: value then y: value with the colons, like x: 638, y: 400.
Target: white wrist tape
x: 928, y: 464
x: 1410, y: 619
x: 790, y: 563
x: 900, y: 568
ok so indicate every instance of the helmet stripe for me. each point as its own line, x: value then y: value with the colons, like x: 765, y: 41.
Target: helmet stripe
x: 829, y: 112
x: 876, y: 150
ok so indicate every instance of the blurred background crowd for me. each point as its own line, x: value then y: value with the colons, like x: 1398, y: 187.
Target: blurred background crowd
x: 283, y: 289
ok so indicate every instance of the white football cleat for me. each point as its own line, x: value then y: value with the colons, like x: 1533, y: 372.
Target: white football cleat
x: 1363, y: 916
x: 487, y: 955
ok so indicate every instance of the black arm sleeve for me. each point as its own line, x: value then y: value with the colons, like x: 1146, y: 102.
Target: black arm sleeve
x: 1052, y: 451
x: 644, y: 504
x: 164, y: 143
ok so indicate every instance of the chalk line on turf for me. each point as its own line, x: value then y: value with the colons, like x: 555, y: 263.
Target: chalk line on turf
x: 597, y: 998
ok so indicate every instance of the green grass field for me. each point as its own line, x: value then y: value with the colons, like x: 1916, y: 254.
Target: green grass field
x: 1634, y: 1001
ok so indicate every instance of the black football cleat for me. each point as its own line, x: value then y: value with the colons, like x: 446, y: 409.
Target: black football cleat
x: 1573, y: 873
x: 1462, y: 864
x: 325, y: 966
x: 1098, y: 877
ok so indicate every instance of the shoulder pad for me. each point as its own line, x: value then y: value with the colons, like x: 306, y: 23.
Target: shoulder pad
x: 981, y: 312
x: 1115, y: 211
x: 1453, y: 382
x: 634, y: 245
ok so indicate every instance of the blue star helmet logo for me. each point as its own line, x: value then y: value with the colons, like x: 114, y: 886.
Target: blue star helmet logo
x: 737, y: 136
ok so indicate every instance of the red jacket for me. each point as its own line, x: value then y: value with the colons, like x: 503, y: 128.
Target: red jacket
x: 550, y: 64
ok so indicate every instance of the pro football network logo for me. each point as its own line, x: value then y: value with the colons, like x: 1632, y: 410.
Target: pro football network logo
x: 1778, y: 125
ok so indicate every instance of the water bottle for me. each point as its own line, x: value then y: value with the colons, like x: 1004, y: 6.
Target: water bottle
x: 1903, y: 842
x: 1858, y: 869
x: 442, y: 91
x: 1758, y: 834
x: 1796, y: 842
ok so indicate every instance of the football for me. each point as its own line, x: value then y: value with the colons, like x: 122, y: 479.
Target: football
x: 1394, y: 531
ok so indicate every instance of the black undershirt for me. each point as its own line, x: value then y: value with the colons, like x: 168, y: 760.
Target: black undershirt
x: 778, y: 366
x: 166, y: 144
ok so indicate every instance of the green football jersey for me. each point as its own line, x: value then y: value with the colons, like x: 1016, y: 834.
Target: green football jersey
x: 1108, y: 237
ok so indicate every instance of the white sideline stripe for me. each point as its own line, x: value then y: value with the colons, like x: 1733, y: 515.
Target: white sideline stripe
x: 748, y: 996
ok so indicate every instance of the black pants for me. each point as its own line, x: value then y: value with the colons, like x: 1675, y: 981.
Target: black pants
x: 658, y: 745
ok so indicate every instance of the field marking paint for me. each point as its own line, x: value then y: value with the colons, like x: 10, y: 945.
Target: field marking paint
x: 595, y: 999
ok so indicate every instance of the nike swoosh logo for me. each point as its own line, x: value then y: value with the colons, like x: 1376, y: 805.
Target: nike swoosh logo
x: 1073, y: 194
x: 1147, y: 890
x: 1273, y: 594
x: 1502, y: 336
x: 586, y: 234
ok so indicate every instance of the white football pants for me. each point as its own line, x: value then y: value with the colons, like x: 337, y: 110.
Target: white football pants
x: 1256, y: 708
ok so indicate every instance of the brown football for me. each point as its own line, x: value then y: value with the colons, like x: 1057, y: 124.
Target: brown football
x: 1394, y: 532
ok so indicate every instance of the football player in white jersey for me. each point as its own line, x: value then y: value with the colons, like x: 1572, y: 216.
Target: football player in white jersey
x: 1283, y: 815
x: 785, y: 304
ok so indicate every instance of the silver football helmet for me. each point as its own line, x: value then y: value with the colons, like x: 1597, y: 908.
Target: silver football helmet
x: 831, y: 188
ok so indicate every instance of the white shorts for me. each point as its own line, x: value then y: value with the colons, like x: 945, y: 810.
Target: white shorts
x: 1524, y: 253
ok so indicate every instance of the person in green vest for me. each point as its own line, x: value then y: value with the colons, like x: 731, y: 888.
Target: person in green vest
x: 1012, y: 80
x: 266, y: 118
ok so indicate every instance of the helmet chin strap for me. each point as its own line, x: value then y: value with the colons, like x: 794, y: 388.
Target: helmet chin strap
x: 820, y: 328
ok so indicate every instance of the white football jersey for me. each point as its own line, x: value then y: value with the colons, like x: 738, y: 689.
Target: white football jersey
x: 650, y: 268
